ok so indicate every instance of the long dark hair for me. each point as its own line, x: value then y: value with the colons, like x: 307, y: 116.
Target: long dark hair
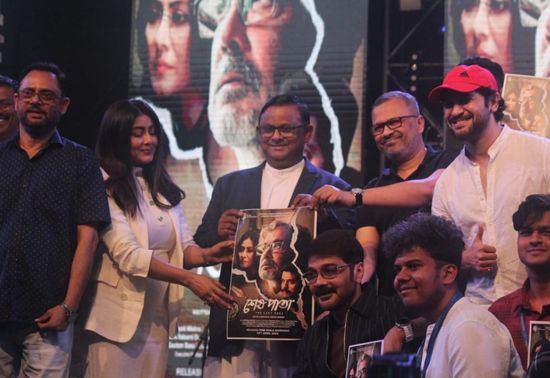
x: 113, y: 151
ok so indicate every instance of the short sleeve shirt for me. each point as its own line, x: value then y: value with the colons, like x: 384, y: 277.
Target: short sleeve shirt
x: 42, y: 200
x: 384, y: 217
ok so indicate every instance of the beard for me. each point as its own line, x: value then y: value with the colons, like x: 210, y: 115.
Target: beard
x: 233, y: 113
x: 479, y: 121
x: 232, y: 127
x: 39, y: 128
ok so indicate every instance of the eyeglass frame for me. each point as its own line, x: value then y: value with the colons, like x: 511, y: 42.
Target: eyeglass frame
x: 284, y: 130
x: 205, y: 19
x: 28, y: 94
x: 338, y: 269
x: 265, y: 247
x: 378, y: 129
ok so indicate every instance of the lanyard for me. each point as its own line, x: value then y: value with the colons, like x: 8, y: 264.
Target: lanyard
x: 436, y: 330
x: 523, y: 329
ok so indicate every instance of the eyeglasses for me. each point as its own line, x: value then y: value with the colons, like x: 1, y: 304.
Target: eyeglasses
x: 285, y: 130
x: 327, y: 271
x: 494, y: 5
x: 178, y: 15
x: 44, y: 96
x: 392, y: 124
x: 252, y: 12
x: 276, y: 245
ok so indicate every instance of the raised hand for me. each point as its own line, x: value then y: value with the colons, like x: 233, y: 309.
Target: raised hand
x: 478, y: 256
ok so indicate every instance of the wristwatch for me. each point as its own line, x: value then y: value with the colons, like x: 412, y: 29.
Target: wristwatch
x: 70, y: 314
x: 406, y: 326
x: 358, y: 192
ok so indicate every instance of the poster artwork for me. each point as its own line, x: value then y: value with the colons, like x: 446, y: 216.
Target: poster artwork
x: 539, y: 341
x: 527, y: 104
x: 360, y: 357
x: 272, y: 301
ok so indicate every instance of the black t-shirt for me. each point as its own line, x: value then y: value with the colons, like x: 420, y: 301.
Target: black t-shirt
x: 383, y: 217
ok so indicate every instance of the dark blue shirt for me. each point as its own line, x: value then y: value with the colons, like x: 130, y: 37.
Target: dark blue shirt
x: 42, y: 200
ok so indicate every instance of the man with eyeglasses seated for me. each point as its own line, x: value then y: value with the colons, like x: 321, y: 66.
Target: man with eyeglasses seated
x: 283, y: 129
x: 8, y: 116
x: 356, y: 315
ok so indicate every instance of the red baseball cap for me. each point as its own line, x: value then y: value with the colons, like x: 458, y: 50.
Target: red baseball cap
x: 464, y: 79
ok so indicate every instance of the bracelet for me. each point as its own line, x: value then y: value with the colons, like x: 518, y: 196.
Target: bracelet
x: 204, y: 262
x: 69, y: 312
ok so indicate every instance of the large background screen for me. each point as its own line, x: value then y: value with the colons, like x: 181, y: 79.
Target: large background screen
x: 208, y: 66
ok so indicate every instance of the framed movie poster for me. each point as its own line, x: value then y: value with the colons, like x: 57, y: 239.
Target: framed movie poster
x: 527, y: 104
x: 271, y: 299
x: 539, y: 339
x: 360, y: 357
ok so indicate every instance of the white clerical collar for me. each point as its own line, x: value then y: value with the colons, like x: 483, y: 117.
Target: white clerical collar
x: 274, y: 171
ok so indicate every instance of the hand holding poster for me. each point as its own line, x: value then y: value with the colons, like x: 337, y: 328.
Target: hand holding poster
x: 271, y: 298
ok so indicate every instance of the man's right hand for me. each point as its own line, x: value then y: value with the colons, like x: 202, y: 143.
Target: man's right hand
x: 227, y: 225
x: 330, y: 195
x: 480, y: 257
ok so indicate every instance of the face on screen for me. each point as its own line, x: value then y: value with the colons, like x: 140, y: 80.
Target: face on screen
x: 245, y: 51
x: 168, y: 35
x: 487, y: 28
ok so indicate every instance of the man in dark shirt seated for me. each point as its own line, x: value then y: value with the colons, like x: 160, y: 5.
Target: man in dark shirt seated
x: 357, y: 315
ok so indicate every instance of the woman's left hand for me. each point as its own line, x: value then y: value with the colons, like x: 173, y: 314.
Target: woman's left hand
x: 219, y: 253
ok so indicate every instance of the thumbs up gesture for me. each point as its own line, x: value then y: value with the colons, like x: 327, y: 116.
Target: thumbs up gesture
x: 478, y: 256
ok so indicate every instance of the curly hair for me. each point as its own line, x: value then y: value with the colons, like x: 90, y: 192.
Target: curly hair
x: 437, y: 236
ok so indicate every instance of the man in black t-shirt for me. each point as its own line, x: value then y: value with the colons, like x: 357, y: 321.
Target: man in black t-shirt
x: 397, y: 127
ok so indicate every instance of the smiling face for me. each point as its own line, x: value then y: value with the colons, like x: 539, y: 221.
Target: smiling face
x: 284, y: 152
x: 420, y: 282
x: 37, y: 116
x: 168, y: 36
x: 245, y: 51
x: 143, y: 141
x: 402, y: 143
x: 487, y: 27
x: 337, y: 293
x: 468, y: 114
x: 534, y: 244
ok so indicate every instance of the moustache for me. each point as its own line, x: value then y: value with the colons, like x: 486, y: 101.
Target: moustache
x: 250, y: 75
x: 35, y: 108
x: 320, y: 291
x: 460, y: 117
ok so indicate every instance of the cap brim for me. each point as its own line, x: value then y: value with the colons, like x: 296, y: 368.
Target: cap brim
x: 435, y: 94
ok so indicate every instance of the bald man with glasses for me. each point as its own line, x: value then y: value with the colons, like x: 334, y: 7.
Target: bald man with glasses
x: 397, y: 128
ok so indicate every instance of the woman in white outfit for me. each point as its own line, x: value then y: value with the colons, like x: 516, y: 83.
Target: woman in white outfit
x: 138, y: 287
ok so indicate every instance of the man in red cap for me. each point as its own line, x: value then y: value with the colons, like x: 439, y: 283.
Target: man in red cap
x: 497, y: 168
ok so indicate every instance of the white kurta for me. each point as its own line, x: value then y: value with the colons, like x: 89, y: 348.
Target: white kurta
x: 519, y: 165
